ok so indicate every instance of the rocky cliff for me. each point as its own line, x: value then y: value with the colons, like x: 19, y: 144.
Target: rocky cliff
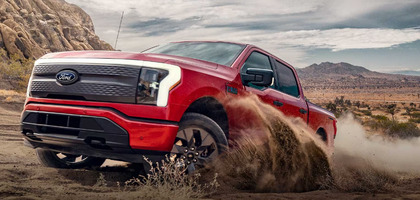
x: 31, y: 28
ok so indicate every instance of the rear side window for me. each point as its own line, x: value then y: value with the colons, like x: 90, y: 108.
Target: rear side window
x: 287, y: 80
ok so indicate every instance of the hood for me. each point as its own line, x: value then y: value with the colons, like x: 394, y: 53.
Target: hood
x: 162, y: 58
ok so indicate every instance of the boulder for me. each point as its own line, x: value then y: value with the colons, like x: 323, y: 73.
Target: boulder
x: 31, y: 28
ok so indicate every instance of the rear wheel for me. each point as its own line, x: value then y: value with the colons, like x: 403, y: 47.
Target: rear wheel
x: 322, y: 134
x: 199, y: 140
x: 61, y: 160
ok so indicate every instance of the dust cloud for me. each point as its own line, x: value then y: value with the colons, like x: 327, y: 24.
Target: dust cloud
x: 397, y: 155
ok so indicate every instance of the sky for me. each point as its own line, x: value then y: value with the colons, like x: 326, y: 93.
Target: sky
x: 381, y: 35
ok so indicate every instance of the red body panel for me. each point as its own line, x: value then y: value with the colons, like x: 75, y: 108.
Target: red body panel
x: 199, y: 79
x: 143, y: 135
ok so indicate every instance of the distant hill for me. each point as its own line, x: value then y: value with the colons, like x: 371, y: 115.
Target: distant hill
x: 333, y: 68
x: 342, y: 75
x: 407, y: 72
x: 31, y: 28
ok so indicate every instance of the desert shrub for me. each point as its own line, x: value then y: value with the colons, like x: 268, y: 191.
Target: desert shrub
x: 339, y: 101
x: 364, y: 105
x: 416, y: 120
x: 404, y: 130
x: 347, y: 102
x: 415, y: 115
x: 168, y: 180
x: 366, y: 112
x: 101, y: 182
x: 357, y: 104
x: 391, y: 109
x: 380, y: 117
x: 333, y: 108
x: 15, y: 70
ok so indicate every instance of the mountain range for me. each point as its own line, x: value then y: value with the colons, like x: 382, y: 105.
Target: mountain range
x: 407, y: 72
x: 342, y: 75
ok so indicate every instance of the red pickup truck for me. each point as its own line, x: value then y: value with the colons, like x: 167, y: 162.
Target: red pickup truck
x: 84, y: 107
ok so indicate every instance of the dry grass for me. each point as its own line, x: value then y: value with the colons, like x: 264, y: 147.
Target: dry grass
x: 11, y: 96
x: 16, y: 70
x: 101, y: 182
x: 168, y: 180
x: 10, y: 93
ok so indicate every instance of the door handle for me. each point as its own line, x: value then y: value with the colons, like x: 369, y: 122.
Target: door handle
x: 278, y: 103
x: 303, y: 111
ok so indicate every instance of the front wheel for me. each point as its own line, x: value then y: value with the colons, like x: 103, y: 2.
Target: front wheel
x: 67, y: 161
x: 199, y: 140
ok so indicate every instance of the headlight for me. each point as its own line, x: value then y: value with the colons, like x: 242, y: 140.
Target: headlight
x: 148, y: 86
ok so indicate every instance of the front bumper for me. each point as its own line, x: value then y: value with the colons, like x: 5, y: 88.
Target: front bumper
x: 95, y: 132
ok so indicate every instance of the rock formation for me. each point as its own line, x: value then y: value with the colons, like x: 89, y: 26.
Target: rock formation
x: 31, y: 28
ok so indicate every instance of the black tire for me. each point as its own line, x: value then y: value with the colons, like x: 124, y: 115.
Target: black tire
x: 201, y: 126
x: 200, y: 120
x: 51, y: 159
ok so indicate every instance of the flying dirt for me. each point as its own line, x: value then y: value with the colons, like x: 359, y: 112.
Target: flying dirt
x: 273, y: 153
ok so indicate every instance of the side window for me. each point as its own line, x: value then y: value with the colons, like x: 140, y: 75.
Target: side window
x: 256, y: 60
x: 287, y: 80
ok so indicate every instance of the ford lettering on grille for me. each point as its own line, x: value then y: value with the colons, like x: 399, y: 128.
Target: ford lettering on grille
x: 67, y: 77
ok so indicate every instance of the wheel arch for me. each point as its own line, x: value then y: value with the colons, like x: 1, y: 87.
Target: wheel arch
x: 321, y: 132
x: 212, y: 108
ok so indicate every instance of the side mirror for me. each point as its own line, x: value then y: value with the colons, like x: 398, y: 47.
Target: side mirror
x: 257, y: 76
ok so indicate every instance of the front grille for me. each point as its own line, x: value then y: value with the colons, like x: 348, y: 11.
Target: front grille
x: 110, y: 83
x: 88, y: 69
x: 66, y: 124
x: 87, y: 89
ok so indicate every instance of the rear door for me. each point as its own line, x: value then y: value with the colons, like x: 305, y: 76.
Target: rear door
x: 294, y: 104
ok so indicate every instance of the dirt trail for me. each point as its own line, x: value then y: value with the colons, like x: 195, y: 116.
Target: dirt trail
x: 22, y: 177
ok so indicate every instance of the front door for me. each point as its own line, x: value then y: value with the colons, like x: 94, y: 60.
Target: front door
x: 268, y: 94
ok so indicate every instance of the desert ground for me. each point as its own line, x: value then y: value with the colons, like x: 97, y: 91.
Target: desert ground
x: 22, y: 177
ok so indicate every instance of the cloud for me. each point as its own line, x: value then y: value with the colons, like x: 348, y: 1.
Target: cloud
x: 183, y: 9
x: 161, y: 26
x: 335, y: 39
x: 346, y: 38
x: 276, y: 25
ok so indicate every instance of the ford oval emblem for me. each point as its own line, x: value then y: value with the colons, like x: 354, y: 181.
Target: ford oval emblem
x: 67, y: 77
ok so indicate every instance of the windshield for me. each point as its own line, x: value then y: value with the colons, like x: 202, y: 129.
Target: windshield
x: 216, y: 52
